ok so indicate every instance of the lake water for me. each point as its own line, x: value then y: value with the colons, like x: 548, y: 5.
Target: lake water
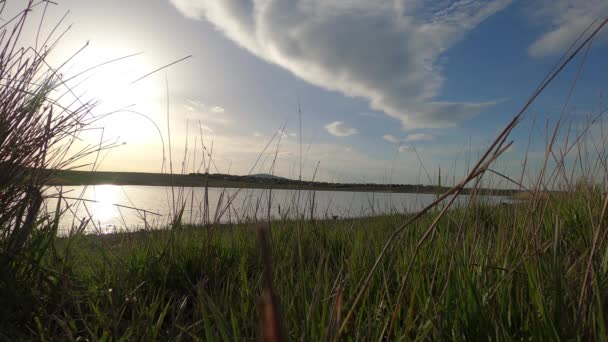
x: 111, y: 208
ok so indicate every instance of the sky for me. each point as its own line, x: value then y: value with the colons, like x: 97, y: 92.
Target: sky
x: 357, y: 90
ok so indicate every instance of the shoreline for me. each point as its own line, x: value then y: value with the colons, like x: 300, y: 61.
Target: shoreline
x: 84, y: 178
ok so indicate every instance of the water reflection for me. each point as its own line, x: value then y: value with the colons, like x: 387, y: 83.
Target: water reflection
x: 107, y: 205
x: 105, y: 197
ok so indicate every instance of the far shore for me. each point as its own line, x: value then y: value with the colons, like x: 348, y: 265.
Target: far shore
x: 76, y: 178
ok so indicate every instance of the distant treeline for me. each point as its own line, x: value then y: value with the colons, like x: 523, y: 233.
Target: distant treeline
x: 71, y: 177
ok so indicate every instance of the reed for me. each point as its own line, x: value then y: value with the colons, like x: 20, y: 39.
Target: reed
x: 536, y: 269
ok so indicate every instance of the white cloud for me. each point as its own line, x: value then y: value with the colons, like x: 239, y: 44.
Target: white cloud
x: 217, y: 109
x: 385, y: 51
x: 339, y: 129
x: 406, y: 148
x: 285, y: 134
x: 391, y: 138
x: 194, y: 105
x: 410, y: 138
x: 567, y: 19
x: 419, y: 137
x: 197, y: 110
x: 206, y: 129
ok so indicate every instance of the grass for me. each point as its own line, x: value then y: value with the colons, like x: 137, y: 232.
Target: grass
x: 489, y: 272
x: 534, y: 270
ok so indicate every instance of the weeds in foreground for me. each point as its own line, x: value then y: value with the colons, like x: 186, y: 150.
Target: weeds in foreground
x: 531, y: 270
x: 488, y: 272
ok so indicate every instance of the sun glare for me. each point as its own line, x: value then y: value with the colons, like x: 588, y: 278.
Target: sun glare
x: 113, y: 88
x: 104, y: 209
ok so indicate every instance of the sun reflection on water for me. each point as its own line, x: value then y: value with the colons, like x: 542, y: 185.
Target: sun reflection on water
x: 104, y: 209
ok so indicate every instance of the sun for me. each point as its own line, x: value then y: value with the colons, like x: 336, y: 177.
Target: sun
x: 112, y: 88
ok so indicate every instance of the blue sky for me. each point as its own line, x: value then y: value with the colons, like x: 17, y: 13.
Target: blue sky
x: 375, y: 80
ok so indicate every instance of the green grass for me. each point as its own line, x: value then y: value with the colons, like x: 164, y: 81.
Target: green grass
x: 535, y: 270
x: 488, y: 272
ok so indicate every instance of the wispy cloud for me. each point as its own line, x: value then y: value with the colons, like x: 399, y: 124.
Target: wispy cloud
x: 391, y: 138
x: 567, y: 19
x: 218, y: 109
x: 419, y: 137
x: 206, y: 129
x: 339, y: 129
x: 385, y: 51
x: 197, y: 110
x: 285, y: 134
x: 410, y: 138
x: 406, y: 148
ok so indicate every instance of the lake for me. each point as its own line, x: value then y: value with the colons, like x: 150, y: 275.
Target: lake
x: 113, y: 208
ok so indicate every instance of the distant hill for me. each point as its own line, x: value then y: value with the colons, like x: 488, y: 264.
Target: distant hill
x: 260, y: 181
x: 268, y: 176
